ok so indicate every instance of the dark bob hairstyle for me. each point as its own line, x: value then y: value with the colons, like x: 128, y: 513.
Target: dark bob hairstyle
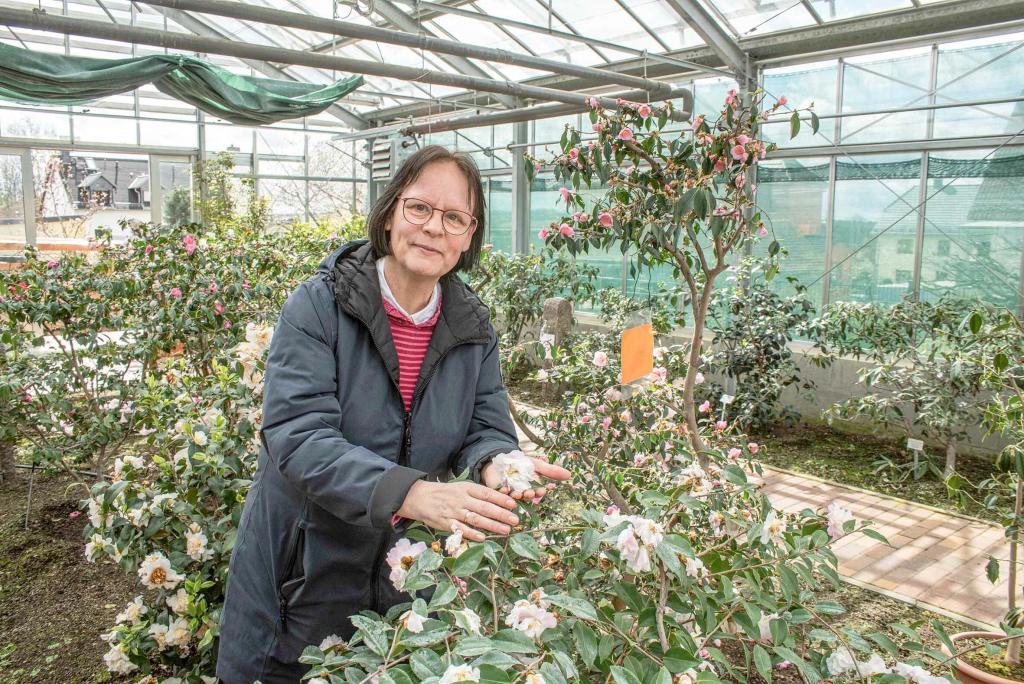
x: 383, y: 209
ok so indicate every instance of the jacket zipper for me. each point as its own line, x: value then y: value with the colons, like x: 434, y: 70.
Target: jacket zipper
x: 293, y: 550
x: 403, y: 460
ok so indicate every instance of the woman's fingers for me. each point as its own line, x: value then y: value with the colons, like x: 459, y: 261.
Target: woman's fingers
x: 468, y: 532
x: 489, y: 510
x: 550, y: 470
x: 492, y: 495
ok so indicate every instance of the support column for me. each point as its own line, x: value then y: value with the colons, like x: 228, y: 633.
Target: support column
x: 520, y: 192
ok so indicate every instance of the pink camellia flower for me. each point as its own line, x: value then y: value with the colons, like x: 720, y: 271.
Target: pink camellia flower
x: 598, y: 127
x: 600, y: 359
x: 566, y: 230
x: 227, y: 324
x: 721, y: 425
x: 566, y: 194
x: 52, y: 264
x: 537, y: 166
x: 246, y: 285
x: 586, y: 419
x: 644, y: 110
x: 625, y: 134
x: 218, y: 307
x: 573, y: 153
x: 190, y: 244
x: 659, y: 374
x: 149, y: 249
x: 783, y: 100
x: 543, y: 233
x: 26, y: 398
x: 738, y: 152
x: 743, y: 139
x: 607, y: 422
x: 741, y: 180
x: 763, y: 232
x: 705, y: 407
x: 721, y: 165
x: 619, y: 101
x: 605, y: 219
x: 734, y: 453
x: 594, y: 103
x: 213, y: 287
x: 175, y: 292
x: 698, y: 122
x: 753, y: 447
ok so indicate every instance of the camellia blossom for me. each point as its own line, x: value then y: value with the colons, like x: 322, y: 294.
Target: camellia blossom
x: 190, y: 244
x: 517, y: 470
x: 116, y: 660
x: 566, y: 230
x: 783, y: 100
x: 600, y: 359
x: 698, y: 378
x: 753, y: 447
x: 738, y: 152
x: 605, y: 219
x: 771, y: 530
x: 175, y: 292
x: 659, y: 374
x: 598, y: 127
x: 698, y: 122
x: 644, y: 110
x: 195, y: 544
x: 530, y: 619
x: 594, y: 103
x: 454, y: 545
x: 566, y: 194
x: 178, y: 602
x: 199, y: 438
x: 636, y: 555
x: 471, y: 620
x: 734, y: 453
x: 218, y: 307
x: 840, y: 662
x: 534, y: 678
x: 837, y: 516
x: 133, y: 612
x: 705, y: 407
x: 762, y: 232
x: 625, y: 134
x: 178, y: 633
x: 764, y: 626
x: 156, y: 572
x: 543, y: 233
x: 401, y: 557
x: 721, y: 425
x: 459, y: 673
x: 413, y: 621
x: 331, y: 641
x: 695, y: 568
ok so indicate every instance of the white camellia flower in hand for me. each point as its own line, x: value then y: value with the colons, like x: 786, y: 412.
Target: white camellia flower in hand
x: 837, y: 516
x: 156, y: 572
x: 459, y: 673
x: 516, y: 469
x: 530, y: 619
x: 401, y: 557
x: 413, y: 621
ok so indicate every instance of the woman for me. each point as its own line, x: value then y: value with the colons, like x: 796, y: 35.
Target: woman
x: 367, y: 408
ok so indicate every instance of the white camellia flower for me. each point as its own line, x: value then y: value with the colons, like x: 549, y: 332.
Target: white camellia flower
x: 159, y: 634
x: 530, y: 619
x: 459, y: 673
x: 199, y: 438
x: 695, y: 568
x: 133, y: 612
x: 771, y: 531
x: 688, y: 677
x: 95, y: 518
x: 717, y: 520
x: 764, y: 626
x: 917, y: 674
x: 837, y: 516
x: 179, y: 602
x: 840, y: 662
x: 454, y: 545
x: 413, y: 621
x: 117, y: 660
x: 650, y: 532
x: 331, y: 641
x: 600, y: 359
x: 534, y: 678
x: 636, y: 555
x: 872, y: 666
x: 178, y: 633
x: 401, y: 557
x: 318, y: 680
x: 156, y: 572
x: 195, y: 544
x: 516, y: 469
x: 135, y: 516
x: 96, y: 543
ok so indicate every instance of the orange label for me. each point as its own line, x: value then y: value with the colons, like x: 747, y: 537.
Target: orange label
x: 637, y: 352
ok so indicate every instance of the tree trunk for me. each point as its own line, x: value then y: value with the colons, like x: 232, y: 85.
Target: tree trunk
x: 1013, y: 648
x: 8, y: 472
x: 950, y: 457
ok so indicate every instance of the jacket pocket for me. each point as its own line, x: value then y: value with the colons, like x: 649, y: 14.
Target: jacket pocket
x: 294, y: 574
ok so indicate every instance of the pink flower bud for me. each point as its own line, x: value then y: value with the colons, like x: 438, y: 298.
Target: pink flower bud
x: 175, y: 292
x: 783, y: 100
x: 721, y: 425
x: 753, y: 447
x: 566, y: 194
x: 543, y: 234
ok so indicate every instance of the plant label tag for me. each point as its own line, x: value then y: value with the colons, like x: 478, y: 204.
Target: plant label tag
x: 637, y: 352
x: 915, y: 444
x: 727, y: 398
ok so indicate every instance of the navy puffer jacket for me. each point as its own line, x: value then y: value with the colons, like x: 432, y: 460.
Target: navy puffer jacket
x: 339, y: 455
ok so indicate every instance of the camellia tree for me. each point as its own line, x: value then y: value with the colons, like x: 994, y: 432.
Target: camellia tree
x: 689, y: 575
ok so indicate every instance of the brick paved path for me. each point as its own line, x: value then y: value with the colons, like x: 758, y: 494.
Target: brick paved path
x: 937, y: 559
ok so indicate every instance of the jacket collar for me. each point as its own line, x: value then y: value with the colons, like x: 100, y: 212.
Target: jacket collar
x: 463, y: 319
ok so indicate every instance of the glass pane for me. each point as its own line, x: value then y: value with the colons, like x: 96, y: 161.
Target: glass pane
x: 709, y: 96
x: 833, y: 9
x: 162, y: 133
x: 228, y: 138
x: 96, y: 129
x: 550, y: 131
x: 974, y: 226
x: 330, y: 201
x: 793, y: 196
x: 803, y: 86
x: 977, y: 70
x: 760, y: 17
x: 38, y: 125
x: 499, y: 214
x: 895, y: 80
x: 176, y: 190
x: 874, y: 221
x: 12, y: 204
x: 287, y: 199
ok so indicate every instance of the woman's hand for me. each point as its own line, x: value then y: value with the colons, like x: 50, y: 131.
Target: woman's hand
x: 472, y: 508
x: 491, y: 477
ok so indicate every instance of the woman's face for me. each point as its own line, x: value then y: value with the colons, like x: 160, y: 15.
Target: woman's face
x: 427, y: 252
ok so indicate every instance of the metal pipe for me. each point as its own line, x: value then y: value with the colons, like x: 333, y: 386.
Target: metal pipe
x: 564, y: 35
x: 530, y: 113
x: 346, y: 29
x: 41, y: 21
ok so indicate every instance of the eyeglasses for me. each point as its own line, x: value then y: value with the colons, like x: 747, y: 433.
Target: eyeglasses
x: 455, y: 222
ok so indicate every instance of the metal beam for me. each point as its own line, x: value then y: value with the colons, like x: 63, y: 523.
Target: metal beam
x: 409, y: 37
x: 188, y: 43
x: 201, y: 28
x: 399, y: 18
x: 504, y: 22
x: 707, y: 28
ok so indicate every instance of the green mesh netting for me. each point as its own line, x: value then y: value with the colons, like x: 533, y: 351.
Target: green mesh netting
x: 46, y: 78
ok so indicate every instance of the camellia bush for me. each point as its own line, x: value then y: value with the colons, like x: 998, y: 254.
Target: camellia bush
x: 665, y: 563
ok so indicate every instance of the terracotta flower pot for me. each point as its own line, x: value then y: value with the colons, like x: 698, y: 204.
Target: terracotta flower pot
x: 967, y: 673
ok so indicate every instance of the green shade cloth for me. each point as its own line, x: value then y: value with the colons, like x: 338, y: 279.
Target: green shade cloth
x: 46, y: 78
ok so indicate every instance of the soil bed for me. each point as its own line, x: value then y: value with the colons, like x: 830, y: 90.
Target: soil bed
x: 53, y: 603
x: 994, y: 663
